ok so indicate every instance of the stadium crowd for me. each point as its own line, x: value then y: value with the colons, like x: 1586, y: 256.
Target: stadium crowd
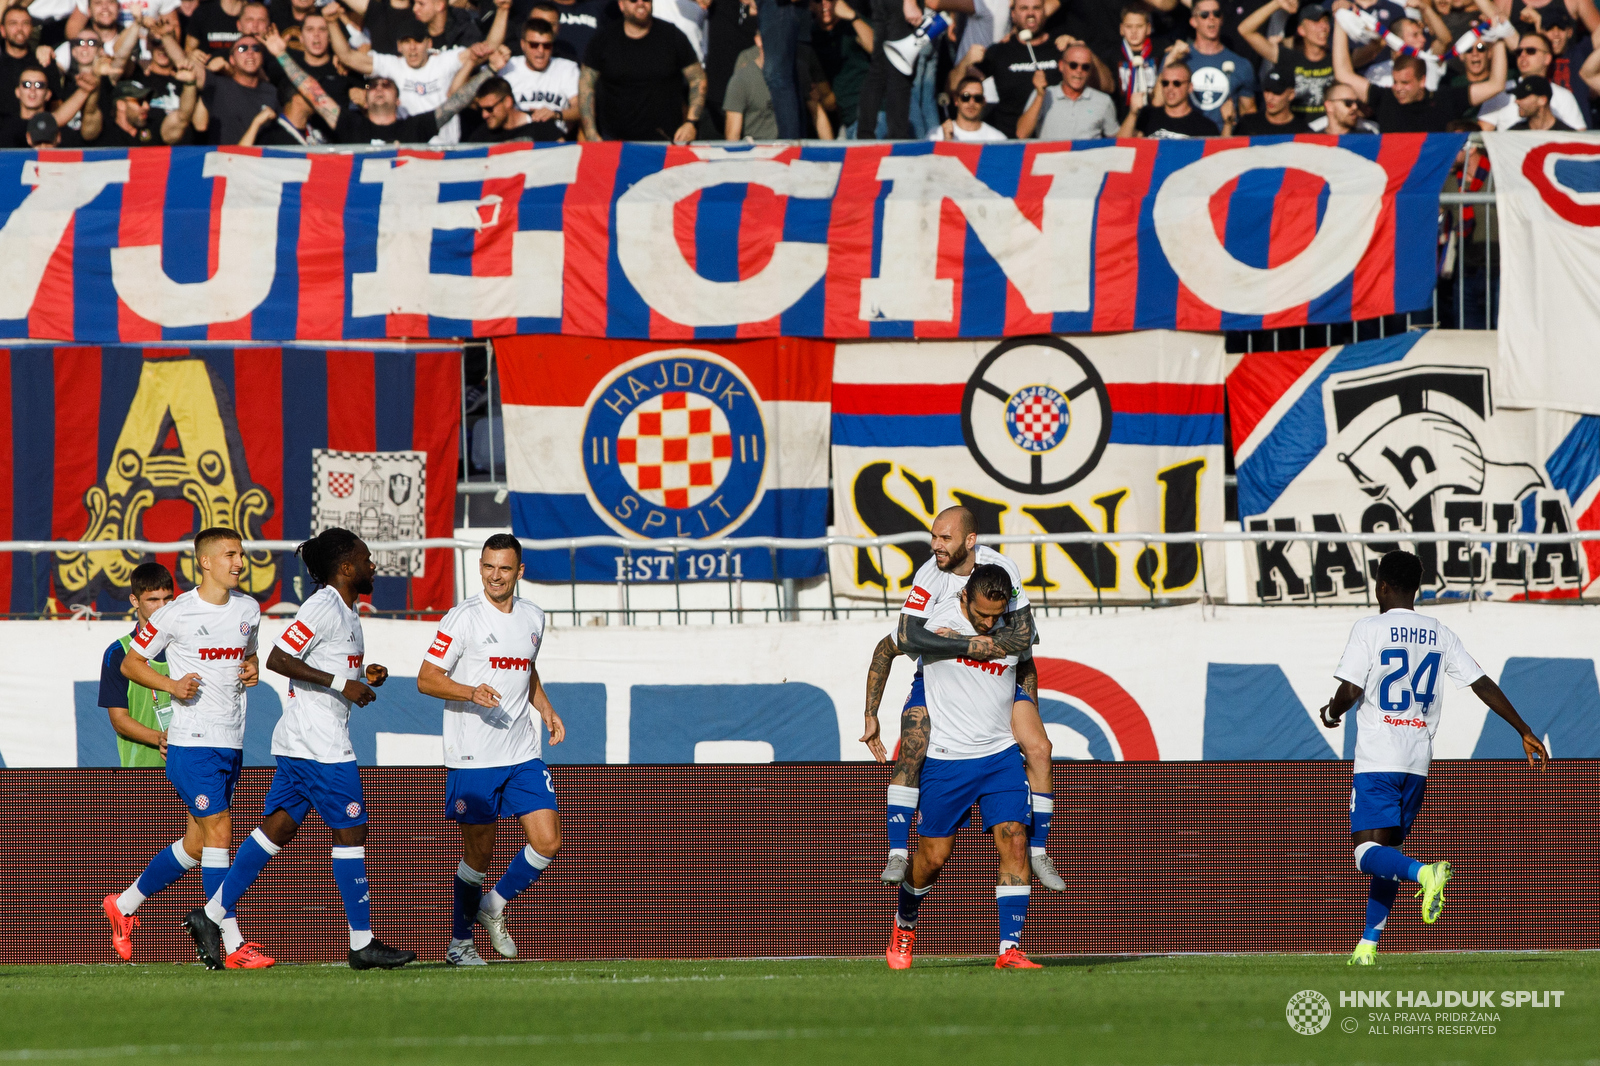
x: 117, y: 73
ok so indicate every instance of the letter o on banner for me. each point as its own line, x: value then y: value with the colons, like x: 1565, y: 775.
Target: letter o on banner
x: 1183, y: 224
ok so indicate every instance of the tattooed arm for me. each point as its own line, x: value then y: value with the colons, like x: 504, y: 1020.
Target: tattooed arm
x: 695, y: 75
x: 877, y: 676
x: 304, y: 83
x: 461, y: 98
x: 587, y: 80
x: 1017, y: 635
x: 1028, y: 678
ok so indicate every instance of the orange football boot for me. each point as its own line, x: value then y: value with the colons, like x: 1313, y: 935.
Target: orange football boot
x: 122, y: 927
x: 901, y: 941
x: 248, y: 957
x: 1014, y: 959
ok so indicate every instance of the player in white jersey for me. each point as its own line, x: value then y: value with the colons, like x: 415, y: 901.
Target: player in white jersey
x: 1393, y: 668
x: 481, y: 664
x: 209, y: 636
x: 323, y: 654
x: 542, y: 83
x: 972, y: 758
x: 954, y: 542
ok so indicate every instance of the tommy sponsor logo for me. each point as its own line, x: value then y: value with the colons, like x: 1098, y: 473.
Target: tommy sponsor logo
x: 503, y: 662
x: 146, y: 634
x: 989, y: 668
x: 352, y: 809
x: 354, y: 661
x: 221, y: 653
x: 297, y: 636
x: 441, y: 643
x: 918, y: 599
x: 1414, y: 723
x: 202, y: 802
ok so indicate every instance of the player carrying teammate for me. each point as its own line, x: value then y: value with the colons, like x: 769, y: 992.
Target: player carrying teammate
x: 209, y: 636
x: 937, y: 584
x: 322, y: 654
x: 481, y: 664
x: 1391, y: 668
x: 972, y: 758
x: 140, y: 718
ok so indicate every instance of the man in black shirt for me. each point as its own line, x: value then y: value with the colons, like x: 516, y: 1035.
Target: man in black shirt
x: 1407, y: 106
x: 234, y: 97
x: 577, y: 21
x: 130, y: 125
x: 381, y: 124
x: 1278, y: 116
x: 16, y: 53
x: 1173, y: 118
x: 448, y: 27
x: 32, y: 97
x: 1533, y: 104
x: 214, y: 27
x: 315, y: 56
x: 636, y: 76
x: 502, y: 121
x: 1310, y: 66
x: 1011, y: 63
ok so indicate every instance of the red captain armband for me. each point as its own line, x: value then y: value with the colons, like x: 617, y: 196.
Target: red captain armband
x: 146, y: 633
x: 918, y: 599
x: 297, y: 636
x: 440, y: 645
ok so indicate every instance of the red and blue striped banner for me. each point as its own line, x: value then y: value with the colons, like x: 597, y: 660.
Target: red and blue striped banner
x: 156, y: 443
x: 657, y: 242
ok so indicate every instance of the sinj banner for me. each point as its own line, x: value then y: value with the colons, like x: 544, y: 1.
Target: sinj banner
x: 1035, y: 435
x: 1399, y: 435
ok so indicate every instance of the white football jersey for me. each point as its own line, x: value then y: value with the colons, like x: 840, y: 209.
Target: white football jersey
x: 480, y: 645
x: 1399, y: 658
x: 212, y: 641
x: 555, y: 87
x: 423, y: 88
x: 969, y: 702
x: 933, y: 588
x: 325, y: 635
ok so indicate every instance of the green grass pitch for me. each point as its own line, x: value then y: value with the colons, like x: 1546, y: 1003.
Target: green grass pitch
x: 1184, y: 1009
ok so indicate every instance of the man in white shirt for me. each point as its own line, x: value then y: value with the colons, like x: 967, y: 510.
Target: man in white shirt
x: 1393, y: 668
x: 481, y: 664
x: 323, y: 655
x: 542, y: 84
x: 972, y: 758
x: 209, y: 636
x: 968, y: 125
x: 1533, y: 56
x: 424, y: 78
x: 936, y: 586
x: 1073, y: 110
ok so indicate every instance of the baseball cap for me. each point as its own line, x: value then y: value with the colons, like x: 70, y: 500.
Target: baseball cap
x: 1552, y: 16
x: 132, y: 89
x: 42, y: 128
x: 1278, y: 80
x: 1534, y: 86
x: 412, y: 29
x: 1312, y: 12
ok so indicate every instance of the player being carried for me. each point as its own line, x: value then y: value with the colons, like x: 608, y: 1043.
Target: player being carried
x: 322, y: 653
x: 972, y: 758
x: 481, y: 664
x: 140, y: 716
x: 209, y: 637
x: 1392, y: 667
x: 938, y: 582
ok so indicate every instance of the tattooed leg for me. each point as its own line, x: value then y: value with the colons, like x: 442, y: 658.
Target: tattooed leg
x: 913, y: 747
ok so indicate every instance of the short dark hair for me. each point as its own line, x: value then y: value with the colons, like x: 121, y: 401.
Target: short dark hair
x: 972, y: 79
x: 1401, y: 571
x: 493, y: 87
x: 20, y: 8
x: 149, y: 577
x: 323, y: 553
x: 1181, y: 65
x: 1548, y: 47
x: 203, y: 539
x: 538, y: 26
x: 1136, y: 8
x: 1414, y: 64
x: 502, y: 542
x: 989, y: 581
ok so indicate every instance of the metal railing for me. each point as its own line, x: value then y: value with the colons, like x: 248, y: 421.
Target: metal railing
x: 747, y: 600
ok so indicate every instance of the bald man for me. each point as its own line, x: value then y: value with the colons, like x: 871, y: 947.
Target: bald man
x: 938, y: 582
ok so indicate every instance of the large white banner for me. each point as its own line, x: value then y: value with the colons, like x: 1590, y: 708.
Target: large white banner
x: 1408, y: 434
x: 1549, y: 198
x: 1183, y: 683
x: 1034, y: 435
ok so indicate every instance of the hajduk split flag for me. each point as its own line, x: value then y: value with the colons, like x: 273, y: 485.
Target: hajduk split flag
x: 648, y: 440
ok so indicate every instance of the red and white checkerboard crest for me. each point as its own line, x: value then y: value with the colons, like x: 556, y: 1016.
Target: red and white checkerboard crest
x: 341, y: 484
x: 675, y: 448
x: 1037, y: 418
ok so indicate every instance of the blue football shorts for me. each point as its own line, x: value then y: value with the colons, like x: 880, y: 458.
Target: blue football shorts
x: 1386, y: 800
x: 484, y: 794
x: 997, y: 783
x: 334, y: 789
x: 204, y: 777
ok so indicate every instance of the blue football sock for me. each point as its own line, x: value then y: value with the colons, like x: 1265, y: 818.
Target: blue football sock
x: 1381, y: 861
x: 523, y: 871
x: 248, y: 863
x: 1380, y: 897
x: 1044, y: 806
x: 168, y: 865
x: 1011, y: 905
x: 905, y: 914
x: 902, y: 807
x: 350, y: 874
x: 469, y: 892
